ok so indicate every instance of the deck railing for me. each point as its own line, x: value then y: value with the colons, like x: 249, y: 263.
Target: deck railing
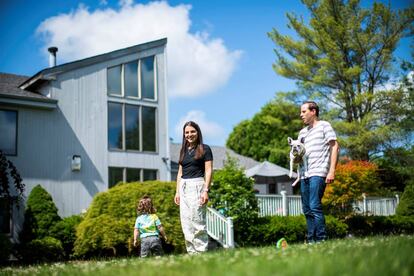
x: 291, y: 205
x: 220, y: 228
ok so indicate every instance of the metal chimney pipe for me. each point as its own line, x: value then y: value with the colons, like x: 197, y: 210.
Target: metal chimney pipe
x: 52, y: 56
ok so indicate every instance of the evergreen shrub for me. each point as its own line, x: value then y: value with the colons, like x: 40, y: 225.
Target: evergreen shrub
x: 380, y: 225
x: 406, y: 205
x: 47, y: 249
x: 40, y: 216
x: 107, y: 228
x: 6, y: 248
x: 65, y: 231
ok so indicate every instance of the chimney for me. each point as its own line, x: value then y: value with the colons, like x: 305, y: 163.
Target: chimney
x: 52, y: 56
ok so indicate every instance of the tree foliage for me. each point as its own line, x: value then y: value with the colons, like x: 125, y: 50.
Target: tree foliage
x: 264, y: 137
x: 233, y: 195
x: 344, y: 57
x: 8, y: 171
x: 352, y: 179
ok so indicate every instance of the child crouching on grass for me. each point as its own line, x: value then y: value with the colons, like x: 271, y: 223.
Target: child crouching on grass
x: 148, y: 227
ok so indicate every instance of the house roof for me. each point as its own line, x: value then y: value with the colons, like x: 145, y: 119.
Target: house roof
x: 219, y: 156
x: 11, y: 94
x: 267, y: 169
x: 50, y: 73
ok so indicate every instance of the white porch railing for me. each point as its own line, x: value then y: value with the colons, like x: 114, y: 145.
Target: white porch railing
x: 291, y: 205
x: 220, y: 228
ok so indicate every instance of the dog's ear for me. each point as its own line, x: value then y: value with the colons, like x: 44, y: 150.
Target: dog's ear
x: 289, y: 141
x: 302, y: 140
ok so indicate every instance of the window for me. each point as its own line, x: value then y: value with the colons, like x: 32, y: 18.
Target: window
x: 5, y: 215
x: 131, y: 79
x: 117, y: 175
x: 132, y: 127
x: 115, y: 126
x: 136, y: 131
x: 8, y: 132
x: 135, y: 79
x: 149, y: 125
x: 147, y: 78
x: 114, y: 85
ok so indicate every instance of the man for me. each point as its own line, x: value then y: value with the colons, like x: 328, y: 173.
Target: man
x: 322, y: 155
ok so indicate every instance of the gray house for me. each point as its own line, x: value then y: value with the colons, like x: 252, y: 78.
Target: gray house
x: 79, y: 128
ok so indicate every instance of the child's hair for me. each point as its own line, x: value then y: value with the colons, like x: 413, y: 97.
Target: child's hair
x: 145, y: 206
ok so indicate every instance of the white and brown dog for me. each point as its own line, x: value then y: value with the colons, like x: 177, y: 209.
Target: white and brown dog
x: 297, y: 154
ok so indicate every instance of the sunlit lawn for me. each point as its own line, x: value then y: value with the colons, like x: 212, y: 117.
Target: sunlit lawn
x: 369, y: 256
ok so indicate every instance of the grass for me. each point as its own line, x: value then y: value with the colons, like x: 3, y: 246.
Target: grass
x: 391, y: 255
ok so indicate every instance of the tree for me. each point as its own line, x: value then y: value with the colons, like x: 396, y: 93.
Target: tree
x: 264, y: 137
x: 8, y: 171
x: 344, y: 57
x: 232, y: 194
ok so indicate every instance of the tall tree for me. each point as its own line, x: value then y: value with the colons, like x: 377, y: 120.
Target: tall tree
x: 264, y: 137
x: 344, y: 56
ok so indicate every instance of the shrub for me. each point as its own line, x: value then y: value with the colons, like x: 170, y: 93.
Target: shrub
x: 46, y: 249
x: 65, y: 231
x: 40, y: 215
x: 232, y: 194
x: 352, y: 179
x: 269, y: 230
x: 406, y: 205
x: 6, y: 248
x: 107, y: 228
x: 379, y: 225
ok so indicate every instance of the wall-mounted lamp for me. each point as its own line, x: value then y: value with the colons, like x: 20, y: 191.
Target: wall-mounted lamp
x: 76, y: 163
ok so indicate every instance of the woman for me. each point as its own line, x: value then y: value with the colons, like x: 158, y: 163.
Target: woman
x: 193, y: 183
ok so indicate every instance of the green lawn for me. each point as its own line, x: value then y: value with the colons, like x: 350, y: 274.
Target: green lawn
x: 368, y: 256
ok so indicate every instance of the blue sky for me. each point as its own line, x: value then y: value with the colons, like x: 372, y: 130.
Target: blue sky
x: 219, y: 55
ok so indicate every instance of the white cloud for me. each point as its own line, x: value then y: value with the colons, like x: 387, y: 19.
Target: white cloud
x: 197, y: 64
x: 211, y: 131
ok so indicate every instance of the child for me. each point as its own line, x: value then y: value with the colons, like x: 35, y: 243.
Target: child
x: 149, y: 227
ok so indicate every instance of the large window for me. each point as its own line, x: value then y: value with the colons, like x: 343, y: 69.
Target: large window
x: 8, y: 132
x: 147, y: 78
x: 117, y: 175
x: 136, y: 79
x: 135, y: 130
x: 5, y: 215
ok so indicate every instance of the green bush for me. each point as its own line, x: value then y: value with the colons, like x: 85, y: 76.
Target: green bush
x: 379, y: 225
x: 6, y: 248
x: 406, y: 205
x: 65, y: 231
x: 47, y: 249
x: 40, y: 215
x: 107, y: 228
x: 232, y: 194
x: 268, y: 230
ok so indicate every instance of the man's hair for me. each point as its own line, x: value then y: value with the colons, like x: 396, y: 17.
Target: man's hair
x: 313, y: 106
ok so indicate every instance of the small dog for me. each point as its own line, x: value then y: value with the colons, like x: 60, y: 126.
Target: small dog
x: 297, y: 153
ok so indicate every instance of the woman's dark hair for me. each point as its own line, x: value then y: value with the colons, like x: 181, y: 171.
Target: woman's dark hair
x: 145, y: 206
x: 199, y: 149
x: 313, y: 106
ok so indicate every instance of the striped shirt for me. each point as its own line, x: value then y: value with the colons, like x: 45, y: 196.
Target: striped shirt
x: 317, y: 147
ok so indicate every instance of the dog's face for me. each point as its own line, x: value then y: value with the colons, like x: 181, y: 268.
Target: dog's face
x: 297, y: 148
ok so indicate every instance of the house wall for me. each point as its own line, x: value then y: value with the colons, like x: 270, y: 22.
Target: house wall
x: 48, y: 139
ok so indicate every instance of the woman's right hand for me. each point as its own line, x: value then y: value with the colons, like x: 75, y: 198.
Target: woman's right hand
x: 177, y: 198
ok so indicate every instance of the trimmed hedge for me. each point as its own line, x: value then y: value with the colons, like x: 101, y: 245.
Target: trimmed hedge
x: 47, y: 249
x: 268, y: 230
x: 380, y: 225
x: 107, y: 228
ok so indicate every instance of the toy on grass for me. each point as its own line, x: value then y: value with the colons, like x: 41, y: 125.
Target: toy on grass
x: 282, y: 244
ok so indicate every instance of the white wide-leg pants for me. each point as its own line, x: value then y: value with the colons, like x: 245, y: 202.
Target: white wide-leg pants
x: 193, y: 215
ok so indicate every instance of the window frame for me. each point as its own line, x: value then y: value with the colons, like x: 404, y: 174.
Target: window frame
x: 125, y: 176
